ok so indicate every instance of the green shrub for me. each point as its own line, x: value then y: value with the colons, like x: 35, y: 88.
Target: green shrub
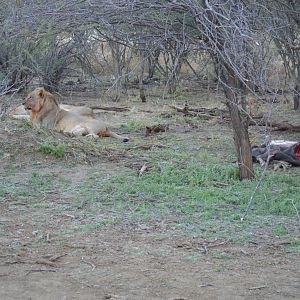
x: 57, y: 150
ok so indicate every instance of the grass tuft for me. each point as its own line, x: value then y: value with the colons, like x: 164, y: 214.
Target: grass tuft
x: 57, y: 150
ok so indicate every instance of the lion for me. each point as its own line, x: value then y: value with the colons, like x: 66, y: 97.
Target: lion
x: 21, y: 113
x: 46, y: 112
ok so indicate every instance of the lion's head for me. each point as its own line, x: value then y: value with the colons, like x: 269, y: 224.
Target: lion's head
x: 35, y: 100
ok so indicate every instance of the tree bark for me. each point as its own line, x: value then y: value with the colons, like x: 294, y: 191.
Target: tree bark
x: 118, y: 54
x: 240, y: 128
x: 141, y: 76
x: 152, y: 63
x: 297, y: 91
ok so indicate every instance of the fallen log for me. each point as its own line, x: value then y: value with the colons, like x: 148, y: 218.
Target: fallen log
x: 276, y: 126
x: 111, y: 108
x: 285, y: 126
x: 203, y: 112
x: 259, y: 120
x: 147, y: 146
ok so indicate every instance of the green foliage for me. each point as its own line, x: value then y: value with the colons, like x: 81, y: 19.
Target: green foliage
x: 296, y: 243
x: 57, y: 150
x: 204, y: 197
x: 135, y: 98
x: 2, y: 192
x: 2, y: 230
x: 30, y: 187
x: 280, y: 230
x: 37, y: 180
x: 134, y: 125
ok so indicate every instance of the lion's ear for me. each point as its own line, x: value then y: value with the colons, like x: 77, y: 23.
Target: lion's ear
x: 41, y: 92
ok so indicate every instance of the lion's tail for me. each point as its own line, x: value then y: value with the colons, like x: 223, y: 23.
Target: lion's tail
x: 109, y: 133
x: 120, y: 137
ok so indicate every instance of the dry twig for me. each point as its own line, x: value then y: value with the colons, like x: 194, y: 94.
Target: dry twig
x: 146, y: 167
x: 205, y: 246
x: 39, y: 270
x: 257, y: 287
x: 43, y: 261
x: 111, y: 108
x: 147, y: 146
x: 297, y: 212
x: 262, y: 176
x: 88, y: 263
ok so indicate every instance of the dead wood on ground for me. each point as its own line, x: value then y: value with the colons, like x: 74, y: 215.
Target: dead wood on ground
x: 111, y: 108
x: 278, y: 126
x: 259, y: 120
x: 202, y: 112
x: 140, y: 167
x: 156, y: 129
x: 147, y: 146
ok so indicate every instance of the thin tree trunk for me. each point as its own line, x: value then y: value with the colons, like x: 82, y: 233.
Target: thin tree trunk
x: 141, y: 76
x: 240, y: 129
x: 296, y: 97
x: 297, y: 90
x: 152, y: 63
x: 118, y: 66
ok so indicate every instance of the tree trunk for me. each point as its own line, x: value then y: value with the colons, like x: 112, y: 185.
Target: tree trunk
x: 118, y: 56
x: 297, y: 90
x: 141, y: 76
x: 240, y: 128
x: 296, y: 97
x: 152, y: 63
x: 175, y: 68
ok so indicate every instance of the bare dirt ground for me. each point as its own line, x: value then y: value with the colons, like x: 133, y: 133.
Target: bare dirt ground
x: 51, y: 249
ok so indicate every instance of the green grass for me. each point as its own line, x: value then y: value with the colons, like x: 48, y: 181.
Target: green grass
x: 221, y: 255
x: 199, y: 198
x: 56, y: 149
x: 191, y: 194
x: 2, y: 230
x: 205, y: 187
x: 134, y: 125
x: 31, y: 186
x: 280, y: 230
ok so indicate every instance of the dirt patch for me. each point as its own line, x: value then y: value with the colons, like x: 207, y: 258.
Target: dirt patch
x: 118, y: 263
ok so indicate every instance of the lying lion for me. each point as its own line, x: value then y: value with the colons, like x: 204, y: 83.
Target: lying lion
x: 21, y: 113
x: 46, y: 112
